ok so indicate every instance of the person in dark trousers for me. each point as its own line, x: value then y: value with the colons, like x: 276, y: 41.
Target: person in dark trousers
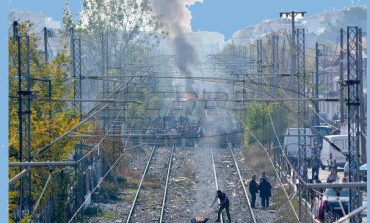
x: 253, y: 189
x: 265, y: 192
x: 316, y: 179
x: 315, y: 167
x: 224, y: 204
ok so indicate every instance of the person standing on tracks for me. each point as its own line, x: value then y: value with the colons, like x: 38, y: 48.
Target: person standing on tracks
x: 315, y: 167
x: 253, y: 189
x: 224, y: 204
x: 265, y: 192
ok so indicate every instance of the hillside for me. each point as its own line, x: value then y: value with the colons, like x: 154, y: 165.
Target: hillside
x: 323, y: 27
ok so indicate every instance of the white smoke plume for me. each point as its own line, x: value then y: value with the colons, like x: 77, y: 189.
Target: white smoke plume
x: 175, y: 15
x: 176, y: 18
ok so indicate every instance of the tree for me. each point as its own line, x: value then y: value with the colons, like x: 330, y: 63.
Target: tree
x: 48, y: 119
x: 67, y: 17
x: 129, y: 21
x: 258, y: 120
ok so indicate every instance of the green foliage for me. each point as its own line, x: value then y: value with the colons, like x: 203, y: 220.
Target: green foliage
x: 67, y: 17
x: 130, y: 17
x: 258, y: 121
x: 48, y: 119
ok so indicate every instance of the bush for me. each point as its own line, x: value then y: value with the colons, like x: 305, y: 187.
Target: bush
x: 92, y: 211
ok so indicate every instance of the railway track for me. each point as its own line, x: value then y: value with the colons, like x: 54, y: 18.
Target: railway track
x: 230, y: 181
x: 150, y: 198
x: 181, y: 187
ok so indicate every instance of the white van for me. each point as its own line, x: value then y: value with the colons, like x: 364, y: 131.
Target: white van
x: 328, y: 151
x: 291, y: 143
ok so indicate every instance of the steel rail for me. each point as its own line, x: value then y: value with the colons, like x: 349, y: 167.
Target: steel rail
x: 166, y: 186
x: 215, y: 174
x: 140, y: 184
x: 242, y: 183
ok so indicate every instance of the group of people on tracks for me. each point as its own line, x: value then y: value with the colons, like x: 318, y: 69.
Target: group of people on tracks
x: 263, y: 188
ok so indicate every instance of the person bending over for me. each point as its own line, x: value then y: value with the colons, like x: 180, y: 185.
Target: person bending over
x: 224, y: 204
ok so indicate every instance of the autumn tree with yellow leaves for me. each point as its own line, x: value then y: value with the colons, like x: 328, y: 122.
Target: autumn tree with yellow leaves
x: 48, y: 121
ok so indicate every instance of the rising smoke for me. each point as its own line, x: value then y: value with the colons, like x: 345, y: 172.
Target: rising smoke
x: 176, y: 19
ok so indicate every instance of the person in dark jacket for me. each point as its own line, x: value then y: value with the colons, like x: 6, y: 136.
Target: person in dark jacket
x: 265, y: 192
x: 253, y: 189
x: 315, y: 167
x: 224, y: 204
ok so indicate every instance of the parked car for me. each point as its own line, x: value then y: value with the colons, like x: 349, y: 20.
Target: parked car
x: 331, y: 200
x: 328, y: 152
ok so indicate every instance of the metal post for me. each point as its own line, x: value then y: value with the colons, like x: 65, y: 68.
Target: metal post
x: 259, y: 56
x: 46, y: 45
x: 77, y: 95
x: 301, y: 80
x: 77, y: 71
x: 15, y: 30
x: 275, y: 54
x: 80, y: 77
x: 317, y: 108
x: 20, y: 115
x: 27, y: 123
x: 341, y: 76
x: 104, y: 45
x: 353, y: 104
x: 293, y: 50
x: 362, y: 103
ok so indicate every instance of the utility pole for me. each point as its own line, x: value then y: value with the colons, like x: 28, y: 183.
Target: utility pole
x: 293, y: 15
x: 353, y: 105
x: 317, y: 81
x: 341, y: 77
x: 24, y: 116
x: 362, y: 103
x: 301, y: 80
x: 275, y: 54
x: 27, y: 122
x: 77, y: 71
x: 46, y: 44
x: 75, y: 45
x: 317, y: 121
x: 259, y: 56
x: 20, y: 110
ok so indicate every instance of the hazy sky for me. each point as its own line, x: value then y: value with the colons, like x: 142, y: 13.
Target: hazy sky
x: 224, y: 16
